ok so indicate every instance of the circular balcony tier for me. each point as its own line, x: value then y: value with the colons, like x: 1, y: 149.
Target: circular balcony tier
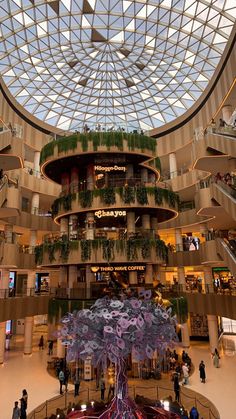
x: 83, y: 149
x: 101, y: 252
x: 107, y: 203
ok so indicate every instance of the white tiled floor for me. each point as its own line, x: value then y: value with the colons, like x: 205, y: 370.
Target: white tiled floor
x: 29, y: 372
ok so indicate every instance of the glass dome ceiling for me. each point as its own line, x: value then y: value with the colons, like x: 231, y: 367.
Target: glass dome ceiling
x: 136, y: 64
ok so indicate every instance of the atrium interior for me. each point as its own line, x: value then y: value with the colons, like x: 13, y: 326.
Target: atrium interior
x: 117, y: 178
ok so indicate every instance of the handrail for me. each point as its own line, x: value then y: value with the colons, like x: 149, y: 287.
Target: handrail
x: 63, y: 400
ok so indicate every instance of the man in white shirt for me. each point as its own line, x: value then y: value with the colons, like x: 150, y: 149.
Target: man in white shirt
x: 185, y: 370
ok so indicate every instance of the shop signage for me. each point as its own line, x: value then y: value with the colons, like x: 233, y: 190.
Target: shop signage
x: 102, y: 213
x: 118, y: 268
x: 114, y: 168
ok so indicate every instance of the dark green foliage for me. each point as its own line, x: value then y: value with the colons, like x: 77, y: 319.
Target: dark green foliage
x: 85, y: 198
x: 108, y: 139
x: 141, y: 195
x: 108, y: 195
x: 38, y: 251
x: 127, y: 194
x: 108, y: 250
x: 132, y: 249
x: 85, y: 250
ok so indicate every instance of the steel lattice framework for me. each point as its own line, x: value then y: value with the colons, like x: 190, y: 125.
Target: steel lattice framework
x: 138, y: 64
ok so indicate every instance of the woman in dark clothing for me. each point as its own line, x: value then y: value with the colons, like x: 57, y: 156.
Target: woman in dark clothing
x: 176, y: 386
x: 22, y: 409
x: 202, y: 372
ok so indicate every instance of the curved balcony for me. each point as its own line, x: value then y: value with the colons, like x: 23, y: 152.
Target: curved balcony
x: 9, y: 199
x: 79, y: 147
x: 162, y: 202
x: 100, y: 251
x: 34, y: 182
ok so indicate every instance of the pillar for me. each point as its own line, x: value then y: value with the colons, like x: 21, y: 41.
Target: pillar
x: 90, y: 177
x: 207, y: 280
x: 60, y: 348
x: 33, y: 238
x: 154, y: 226
x: 74, y: 179
x: 129, y: 171
x: 72, y: 276
x: 2, y: 341
x: 63, y: 276
x: 31, y: 282
x: 35, y: 204
x: 185, y: 335
x: 178, y: 240
x: 28, y: 335
x: 8, y: 231
x: 89, y: 226
x: 130, y: 218
x: 89, y: 279
x: 36, y: 163
x: 144, y: 175
x: 181, y: 278
x: 65, y: 183
x: 172, y: 165
x: 64, y: 226
x: 203, y: 229
x: 133, y: 280
x: 213, y: 332
x: 4, y: 283
x: 73, y: 226
x: 146, y: 225
x: 227, y: 111
x: 149, y: 274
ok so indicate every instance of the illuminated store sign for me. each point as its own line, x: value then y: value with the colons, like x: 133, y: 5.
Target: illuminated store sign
x: 110, y: 168
x: 102, y: 213
x: 117, y: 268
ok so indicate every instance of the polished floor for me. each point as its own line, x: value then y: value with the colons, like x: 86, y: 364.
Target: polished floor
x: 29, y: 372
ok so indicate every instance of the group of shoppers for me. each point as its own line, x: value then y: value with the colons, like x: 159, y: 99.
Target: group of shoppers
x: 20, y: 412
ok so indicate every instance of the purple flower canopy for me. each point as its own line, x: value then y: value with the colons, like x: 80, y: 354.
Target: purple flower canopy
x: 112, y: 329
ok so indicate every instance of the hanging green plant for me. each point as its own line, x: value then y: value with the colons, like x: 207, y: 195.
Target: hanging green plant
x: 132, y: 251
x: 108, y: 250
x: 85, y: 198
x: 67, y: 201
x: 146, y: 248
x: 108, y: 196
x: 180, y: 308
x: 127, y: 194
x: 85, y: 250
x: 65, y: 248
x: 158, y: 194
x: 50, y: 248
x: 141, y: 195
x: 161, y: 249
x: 55, y: 207
x: 38, y: 251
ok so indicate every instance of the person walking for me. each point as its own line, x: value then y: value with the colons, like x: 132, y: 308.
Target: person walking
x: 185, y: 370
x: 16, y: 411
x: 41, y: 342
x: 102, y: 388
x: 202, y: 372
x: 193, y: 414
x: 22, y: 409
x: 176, y: 386
x: 25, y: 398
x: 61, y: 377
x: 216, y: 358
x: 76, y: 384
x: 50, y: 347
x: 111, y: 391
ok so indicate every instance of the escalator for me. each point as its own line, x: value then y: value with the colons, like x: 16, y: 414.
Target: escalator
x: 225, y: 196
x: 227, y: 250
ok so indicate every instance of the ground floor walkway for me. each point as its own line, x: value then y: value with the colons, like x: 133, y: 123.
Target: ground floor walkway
x: 19, y: 372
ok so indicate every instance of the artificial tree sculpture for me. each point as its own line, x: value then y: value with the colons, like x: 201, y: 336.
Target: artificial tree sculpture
x: 111, y: 330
